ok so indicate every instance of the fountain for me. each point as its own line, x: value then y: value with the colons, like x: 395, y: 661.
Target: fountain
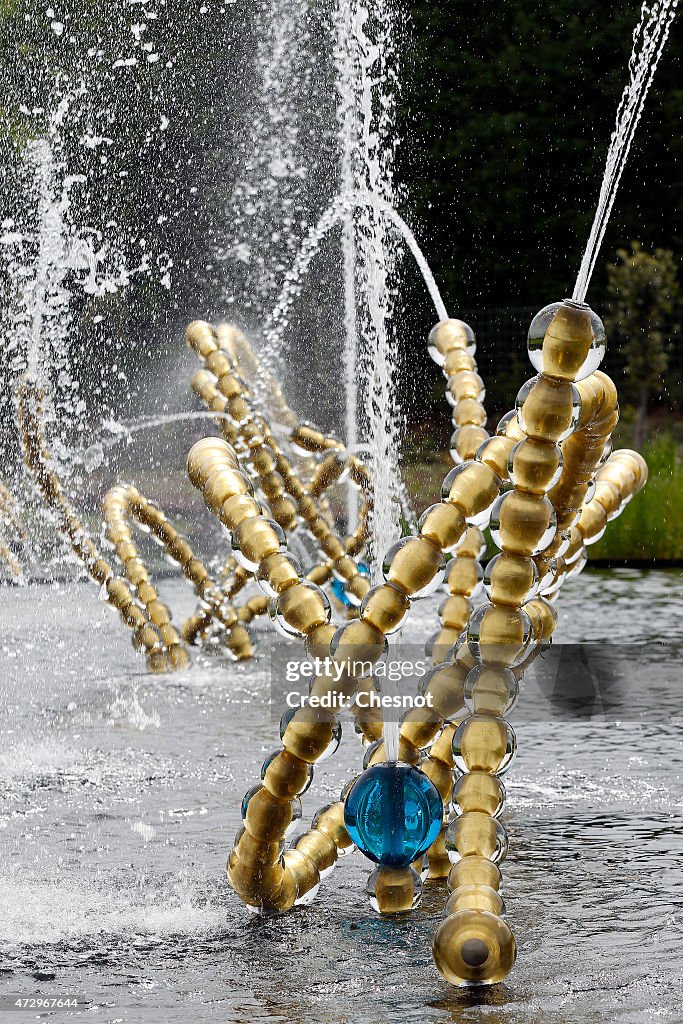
x: 343, y: 582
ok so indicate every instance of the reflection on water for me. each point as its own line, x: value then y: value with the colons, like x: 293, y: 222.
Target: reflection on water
x: 119, y: 799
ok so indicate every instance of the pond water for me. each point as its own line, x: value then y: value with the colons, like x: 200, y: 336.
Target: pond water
x: 119, y: 800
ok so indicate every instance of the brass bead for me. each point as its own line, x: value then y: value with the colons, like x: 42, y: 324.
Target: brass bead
x: 330, y: 820
x: 157, y: 662
x: 195, y: 571
x: 180, y: 551
x: 286, y: 895
x: 440, y: 643
x: 256, y: 539
x: 319, y: 574
x: 239, y: 643
x: 146, y: 593
x: 442, y: 747
x: 284, y: 512
x: 454, y: 612
x: 136, y: 571
x: 444, y: 525
x: 459, y: 361
x: 254, y: 882
x: 224, y: 484
x: 118, y: 592
x: 479, y: 791
x: 145, y: 637
x: 477, y: 833
x: 272, y: 485
x: 469, y: 410
x: 286, y: 776
x: 263, y: 461
x: 257, y: 851
x: 358, y: 642
x: 524, y: 523
x: 592, y: 522
x: 217, y: 363
x: 439, y: 862
x: 304, y: 871
x: 473, y: 544
x: 385, y: 607
x: 318, y: 641
x: 465, y: 384
x: 420, y: 725
x: 303, y: 607
x: 394, y: 889
x: 267, y: 817
x: 199, y: 336
x: 178, y: 657
x: 463, y: 575
x: 473, y: 489
x: 490, y: 692
x: 279, y: 570
x: 474, y: 947
x: 495, y: 453
x: 308, y: 439
x: 448, y: 336
x: 547, y: 412
x: 609, y: 497
x: 332, y: 547
x: 407, y: 752
x: 440, y: 774
x: 358, y: 587
x: 546, y: 614
x: 126, y: 550
x: 567, y: 342
x: 118, y: 533
x: 320, y: 847
x: 474, y: 871
x: 534, y: 464
x: 346, y: 567
x: 483, y: 741
x: 308, y: 735
x: 511, y: 579
x: 501, y: 634
x: 445, y: 689
x: 235, y: 510
x: 101, y: 571
x: 229, y: 386
x: 158, y: 613
x: 239, y: 409
x: 208, y: 449
x: 414, y: 565
x: 467, y: 440
x: 475, y: 897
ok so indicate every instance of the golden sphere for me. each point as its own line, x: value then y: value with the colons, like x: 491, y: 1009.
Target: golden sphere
x: 475, y: 897
x: 474, y: 947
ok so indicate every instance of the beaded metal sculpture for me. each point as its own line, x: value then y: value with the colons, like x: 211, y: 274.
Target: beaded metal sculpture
x: 547, y: 484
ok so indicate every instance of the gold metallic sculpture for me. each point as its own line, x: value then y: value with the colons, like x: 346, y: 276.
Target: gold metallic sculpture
x: 532, y: 481
x: 546, y: 484
x: 296, y: 495
x: 11, y: 527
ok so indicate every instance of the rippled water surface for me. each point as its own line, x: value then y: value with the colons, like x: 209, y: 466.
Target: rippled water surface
x: 119, y: 800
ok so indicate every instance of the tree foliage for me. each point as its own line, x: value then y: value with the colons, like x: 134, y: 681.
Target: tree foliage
x: 642, y: 289
x: 507, y: 114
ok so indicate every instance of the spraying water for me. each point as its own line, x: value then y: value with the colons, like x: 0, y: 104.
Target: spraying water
x: 338, y: 209
x: 649, y: 39
x: 345, y: 62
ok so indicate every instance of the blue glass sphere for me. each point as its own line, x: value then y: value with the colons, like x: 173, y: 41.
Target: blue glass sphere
x: 338, y: 586
x: 393, y: 813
